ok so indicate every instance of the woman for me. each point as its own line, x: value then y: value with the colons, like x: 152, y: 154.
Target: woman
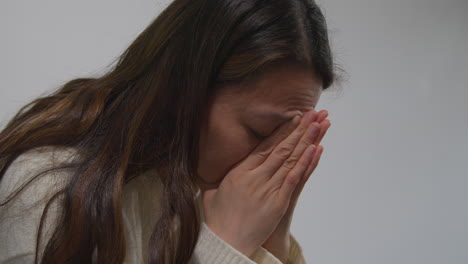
x: 188, y: 150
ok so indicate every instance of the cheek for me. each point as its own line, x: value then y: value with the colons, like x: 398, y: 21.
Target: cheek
x: 223, y: 147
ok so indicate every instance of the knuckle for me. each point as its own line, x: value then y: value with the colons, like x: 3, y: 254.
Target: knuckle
x: 309, y: 140
x: 290, y: 162
x: 264, y: 153
x: 293, y: 180
x: 263, y: 150
x: 301, y: 129
x: 276, y: 185
x: 284, y: 150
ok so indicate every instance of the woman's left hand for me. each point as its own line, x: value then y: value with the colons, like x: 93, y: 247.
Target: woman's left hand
x: 278, y: 242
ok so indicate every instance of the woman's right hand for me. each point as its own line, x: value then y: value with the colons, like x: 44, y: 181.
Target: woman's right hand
x: 252, y: 198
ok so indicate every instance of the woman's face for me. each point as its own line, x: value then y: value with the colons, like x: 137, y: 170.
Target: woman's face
x: 233, y: 117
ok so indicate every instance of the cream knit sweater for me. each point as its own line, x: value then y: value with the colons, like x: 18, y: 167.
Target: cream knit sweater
x: 20, y: 218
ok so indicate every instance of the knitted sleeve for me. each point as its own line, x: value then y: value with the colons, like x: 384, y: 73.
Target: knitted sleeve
x: 295, y: 252
x: 212, y: 249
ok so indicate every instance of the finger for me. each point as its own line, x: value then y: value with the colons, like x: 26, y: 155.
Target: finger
x: 258, y: 156
x: 294, y: 177
x: 314, y: 163
x: 307, y: 139
x: 285, y: 148
x: 325, y: 125
x: 321, y: 115
x: 301, y: 184
x: 310, y: 137
x: 261, y: 152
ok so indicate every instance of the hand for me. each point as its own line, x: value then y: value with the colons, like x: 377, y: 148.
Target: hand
x: 278, y: 242
x: 253, y: 197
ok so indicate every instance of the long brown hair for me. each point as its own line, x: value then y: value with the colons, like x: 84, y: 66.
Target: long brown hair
x: 147, y: 111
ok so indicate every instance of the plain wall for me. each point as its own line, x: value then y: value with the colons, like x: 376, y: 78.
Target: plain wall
x: 391, y: 186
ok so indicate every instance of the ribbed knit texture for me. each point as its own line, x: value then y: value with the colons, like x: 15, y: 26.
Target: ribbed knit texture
x: 20, y: 218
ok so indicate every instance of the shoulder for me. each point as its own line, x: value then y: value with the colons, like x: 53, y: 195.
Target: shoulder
x: 33, y: 167
x: 41, y: 158
x: 23, y: 198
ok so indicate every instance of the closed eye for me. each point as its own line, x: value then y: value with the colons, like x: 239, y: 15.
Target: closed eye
x: 257, y: 135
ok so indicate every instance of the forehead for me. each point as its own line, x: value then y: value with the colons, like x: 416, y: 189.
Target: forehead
x: 285, y: 88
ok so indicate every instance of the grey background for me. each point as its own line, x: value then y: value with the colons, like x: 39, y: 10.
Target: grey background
x: 392, y: 183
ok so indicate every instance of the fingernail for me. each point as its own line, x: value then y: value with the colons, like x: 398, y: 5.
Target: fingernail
x: 311, y: 116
